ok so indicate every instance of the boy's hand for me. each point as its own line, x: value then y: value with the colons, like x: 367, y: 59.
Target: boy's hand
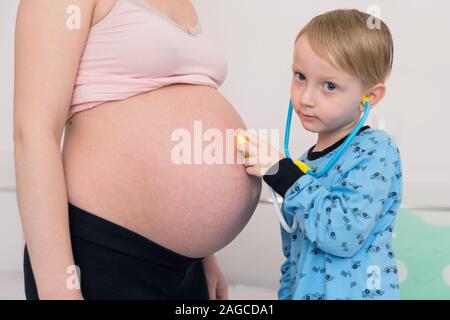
x: 259, y: 156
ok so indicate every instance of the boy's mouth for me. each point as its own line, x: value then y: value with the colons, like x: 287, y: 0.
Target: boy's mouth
x: 306, y: 116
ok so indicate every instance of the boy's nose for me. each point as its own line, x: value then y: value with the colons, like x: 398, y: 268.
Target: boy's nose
x: 307, y: 98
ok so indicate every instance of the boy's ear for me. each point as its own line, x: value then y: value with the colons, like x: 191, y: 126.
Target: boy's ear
x: 375, y: 94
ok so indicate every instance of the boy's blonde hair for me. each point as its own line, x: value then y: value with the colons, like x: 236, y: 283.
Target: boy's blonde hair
x: 344, y: 39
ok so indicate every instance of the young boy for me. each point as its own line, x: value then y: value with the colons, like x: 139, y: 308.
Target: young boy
x: 342, y: 248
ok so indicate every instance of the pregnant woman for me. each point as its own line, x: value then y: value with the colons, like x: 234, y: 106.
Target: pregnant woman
x: 111, y: 215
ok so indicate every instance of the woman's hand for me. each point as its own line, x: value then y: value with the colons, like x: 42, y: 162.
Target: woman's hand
x: 217, y: 284
x: 259, y: 156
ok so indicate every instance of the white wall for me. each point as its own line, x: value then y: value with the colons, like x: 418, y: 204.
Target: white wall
x: 257, y: 36
x: 10, y: 229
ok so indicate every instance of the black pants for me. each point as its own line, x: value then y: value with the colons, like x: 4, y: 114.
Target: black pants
x: 117, y: 263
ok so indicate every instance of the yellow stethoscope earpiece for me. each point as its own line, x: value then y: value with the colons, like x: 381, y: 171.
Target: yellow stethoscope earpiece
x: 365, y: 101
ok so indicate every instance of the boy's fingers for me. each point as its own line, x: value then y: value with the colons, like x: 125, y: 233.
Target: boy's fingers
x: 255, y: 171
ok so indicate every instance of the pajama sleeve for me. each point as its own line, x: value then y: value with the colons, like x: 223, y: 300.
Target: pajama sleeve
x: 339, y: 219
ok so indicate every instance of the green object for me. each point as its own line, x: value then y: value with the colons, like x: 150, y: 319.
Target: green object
x: 423, y: 254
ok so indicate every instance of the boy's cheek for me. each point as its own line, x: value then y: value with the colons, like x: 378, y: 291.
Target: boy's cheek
x: 295, y: 97
x: 295, y: 91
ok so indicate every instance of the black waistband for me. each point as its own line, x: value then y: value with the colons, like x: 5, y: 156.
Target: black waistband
x: 111, y: 236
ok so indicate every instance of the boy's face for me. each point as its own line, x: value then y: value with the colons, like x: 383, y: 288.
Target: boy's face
x: 331, y: 96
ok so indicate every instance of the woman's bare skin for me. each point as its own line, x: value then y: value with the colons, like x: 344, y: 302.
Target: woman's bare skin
x: 117, y: 160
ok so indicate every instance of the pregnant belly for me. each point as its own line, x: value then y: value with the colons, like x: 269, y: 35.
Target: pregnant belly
x: 146, y: 163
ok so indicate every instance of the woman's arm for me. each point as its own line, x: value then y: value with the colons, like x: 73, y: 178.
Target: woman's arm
x: 47, y: 54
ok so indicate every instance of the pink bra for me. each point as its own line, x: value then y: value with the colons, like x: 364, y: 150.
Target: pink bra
x: 136, y: 49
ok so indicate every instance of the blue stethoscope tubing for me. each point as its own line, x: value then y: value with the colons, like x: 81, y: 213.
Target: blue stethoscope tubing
x: 328, y: 166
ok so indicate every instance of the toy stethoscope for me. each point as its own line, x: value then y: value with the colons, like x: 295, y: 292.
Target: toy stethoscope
x: 305, y: 168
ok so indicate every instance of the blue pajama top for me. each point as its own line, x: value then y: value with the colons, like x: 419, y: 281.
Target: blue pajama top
x: 342, y: 248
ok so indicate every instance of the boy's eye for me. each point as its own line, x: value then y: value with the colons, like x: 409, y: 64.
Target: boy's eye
x: 299, y: 76
x: 330, y: 86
